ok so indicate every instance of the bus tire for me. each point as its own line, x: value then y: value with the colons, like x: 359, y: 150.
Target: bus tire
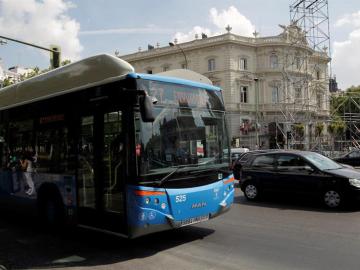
x: 51, y: 210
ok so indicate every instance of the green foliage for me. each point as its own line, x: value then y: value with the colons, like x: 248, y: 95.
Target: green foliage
x: 7, y: 82
x: 346, y: 103
x: 299, y: 129
x: 36, y: 71
x: 319, y: 128
x: 65, y: 62
x: 337, y: 127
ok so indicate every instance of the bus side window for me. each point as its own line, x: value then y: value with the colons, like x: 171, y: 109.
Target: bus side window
x: 3, y: 146
x: 21, y: 138
x: 55, y: 150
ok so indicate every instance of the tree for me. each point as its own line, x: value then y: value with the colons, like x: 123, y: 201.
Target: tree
x: 319, y: 128
x: 337, y: 127
x: 347, y: 102
x: 7, y: 82
x: 65, y: 62
x: 36, y: 71
x: 345, y: 108
x: 299, y: 129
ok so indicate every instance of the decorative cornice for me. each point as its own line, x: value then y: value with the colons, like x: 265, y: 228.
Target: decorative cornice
x: 216, y: 41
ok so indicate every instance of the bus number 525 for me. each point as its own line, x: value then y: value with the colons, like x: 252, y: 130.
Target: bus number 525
x: 180, y: 198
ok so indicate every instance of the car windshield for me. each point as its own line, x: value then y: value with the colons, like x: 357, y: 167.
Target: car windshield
x: 322, y: 162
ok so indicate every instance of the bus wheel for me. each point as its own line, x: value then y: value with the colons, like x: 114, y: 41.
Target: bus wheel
x: 51, y: 211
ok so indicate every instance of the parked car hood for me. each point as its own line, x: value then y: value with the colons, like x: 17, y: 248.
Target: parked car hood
x: 345, y: 172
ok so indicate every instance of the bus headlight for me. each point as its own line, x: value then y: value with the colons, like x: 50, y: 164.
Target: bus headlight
x: 163, y: 206
x: 354, y: 182
x: 147, y: 200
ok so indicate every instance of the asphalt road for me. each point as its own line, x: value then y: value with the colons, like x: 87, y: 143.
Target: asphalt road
x: 286, y: 233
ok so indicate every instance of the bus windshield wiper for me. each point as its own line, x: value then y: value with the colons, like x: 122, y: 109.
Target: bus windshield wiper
x: 166, y: 177
x: 218, y: 170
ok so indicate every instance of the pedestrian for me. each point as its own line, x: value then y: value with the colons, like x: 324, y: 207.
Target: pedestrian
x: 28, y: 169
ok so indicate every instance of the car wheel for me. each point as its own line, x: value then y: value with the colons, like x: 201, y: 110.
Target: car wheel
x: 332, y: 199
x: 251, y: 191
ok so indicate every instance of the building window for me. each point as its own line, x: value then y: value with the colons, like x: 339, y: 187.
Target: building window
x: 318, y: 101
x: 243, y: 65
x: 318, y: 74
x: 211, y: 64
x: 274, y: 61
x: 275, y: 95
x: 245, y: 126
x: 149, y: 71
x: 183, y: 66
x: 298, y: 62
x: 298, y: 94
x: 244, y: 94
x: 166, y: 68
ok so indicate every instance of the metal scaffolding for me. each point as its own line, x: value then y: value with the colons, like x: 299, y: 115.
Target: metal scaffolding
x: 313, y: 17
x: 304, y: 91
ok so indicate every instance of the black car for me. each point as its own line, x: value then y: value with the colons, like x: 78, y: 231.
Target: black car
x: 242, y: 159
x: 352, y: 158
x: 299, y: 172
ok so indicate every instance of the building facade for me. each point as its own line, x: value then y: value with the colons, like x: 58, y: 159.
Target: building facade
x: 276, y: 89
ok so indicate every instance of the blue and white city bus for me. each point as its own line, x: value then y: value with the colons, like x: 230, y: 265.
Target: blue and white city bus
x: 97, y: 145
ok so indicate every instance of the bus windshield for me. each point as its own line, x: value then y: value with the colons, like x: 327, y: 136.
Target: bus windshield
x: 189, y: 137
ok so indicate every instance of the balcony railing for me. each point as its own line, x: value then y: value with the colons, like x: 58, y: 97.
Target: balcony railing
x: 277, y: 107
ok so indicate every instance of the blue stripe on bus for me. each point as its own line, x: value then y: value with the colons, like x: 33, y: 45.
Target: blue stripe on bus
x: 172, y: 80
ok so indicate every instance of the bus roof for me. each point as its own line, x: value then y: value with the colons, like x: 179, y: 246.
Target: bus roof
x: 79, y: 75
x: 162, y: 78
x: 89, y: 72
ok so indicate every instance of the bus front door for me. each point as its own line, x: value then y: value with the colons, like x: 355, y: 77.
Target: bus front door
x: 100, y: 175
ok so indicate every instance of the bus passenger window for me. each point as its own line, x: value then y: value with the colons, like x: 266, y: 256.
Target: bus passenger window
x: 54, y: 149
x: 3, y: 146
x: 21, y: 138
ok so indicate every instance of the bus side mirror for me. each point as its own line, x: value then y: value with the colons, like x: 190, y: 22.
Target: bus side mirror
x: 146, y: 108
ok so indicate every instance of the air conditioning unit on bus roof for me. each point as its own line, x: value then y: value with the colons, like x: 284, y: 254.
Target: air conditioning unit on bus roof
x: 186, y: 75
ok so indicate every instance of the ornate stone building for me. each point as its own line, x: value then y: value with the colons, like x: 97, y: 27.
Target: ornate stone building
x: 275, y: 88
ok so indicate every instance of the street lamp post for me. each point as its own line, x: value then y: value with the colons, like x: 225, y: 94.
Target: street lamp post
x: 178, y: 46
x: 257, y: 111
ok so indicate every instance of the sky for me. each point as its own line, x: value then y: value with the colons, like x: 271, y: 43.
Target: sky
x: 87, y: 27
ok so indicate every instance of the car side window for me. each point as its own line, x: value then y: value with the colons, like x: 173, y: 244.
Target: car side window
x: 291, y: 163
x: 266, y: 162
x: 355, y: 154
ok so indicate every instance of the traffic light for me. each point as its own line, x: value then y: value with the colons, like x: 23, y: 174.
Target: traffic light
x: 55, y: 56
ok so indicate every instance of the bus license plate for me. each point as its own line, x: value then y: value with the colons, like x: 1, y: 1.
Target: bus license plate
x: 193, y: 220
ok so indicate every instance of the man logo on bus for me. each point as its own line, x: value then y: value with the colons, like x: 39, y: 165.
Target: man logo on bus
x: 198, y: 205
